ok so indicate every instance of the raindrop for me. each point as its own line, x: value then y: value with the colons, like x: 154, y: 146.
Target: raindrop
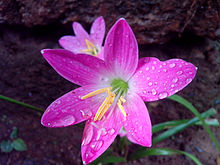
x: 104, y: 132
x: 172, y: 85
x: 96, y: 145
x: 147, y: 68
x: 153, y: 67
x: 160, y: 66
x: 88, y: 135
x: 175, y: 80
x: 164, y: 70
x: 154, y: 92
x: 190, y: 72
x: 140, y: 71
x: 111, y: 131
x: 179, y: 72
x: 188, y: 80
x: 150, y: 83
x: 58, y: 102
x: 172, y: 65
x: 163, y: 95
x: 148, y: 78
x: 154, y: 62
x: 196, y: 68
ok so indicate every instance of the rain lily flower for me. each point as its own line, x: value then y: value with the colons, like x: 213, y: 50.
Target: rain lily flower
x: 83, y: 42
x: 113, y: 91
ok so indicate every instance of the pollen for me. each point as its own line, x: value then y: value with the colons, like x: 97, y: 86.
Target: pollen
x: 91, y: 48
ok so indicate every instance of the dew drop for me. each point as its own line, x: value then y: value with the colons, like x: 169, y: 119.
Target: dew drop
x: 150, y: 83
x: 160, y: 66
x: 96, y: 145
x: 104, y: 132
x: 111, y: 131
x: 147, y: 68
x: 58, y: 102
x: 188, y: 80
x: 172, y: 65
x: 153, y: 67
x: 172, y: 85
x: 163, y: 95
x: 179, y: 72
x: 175, y: 80
x: 88, y: 135
x: 148, y: 78
x: 164, y: 70
x: 154, y: 92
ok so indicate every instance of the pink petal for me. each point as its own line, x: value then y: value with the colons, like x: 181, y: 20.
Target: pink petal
x: 70, y: 109
x: 71, y: 43
x: 97, y: 31
x: 101, y: 53
x: 99, y: 135
x: 80, y: 33
x: 155, y: 79
x: 137, y: 124
x: 80, y: 69
x: 121, y: 50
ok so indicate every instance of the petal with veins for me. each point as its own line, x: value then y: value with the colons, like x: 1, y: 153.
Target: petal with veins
x: 71, y: 43
x: 99, y: 135
x: 80, y: 69
x: 121, y: 50
x: 137, y: 123
x: 71, y: 109
x: 154, y: 79
x: 97, y: 31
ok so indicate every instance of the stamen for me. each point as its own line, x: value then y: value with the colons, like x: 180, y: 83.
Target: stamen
x: 91, y: 48
x: 105, y: 106
x: 121, y: 107
x: 96, y: 92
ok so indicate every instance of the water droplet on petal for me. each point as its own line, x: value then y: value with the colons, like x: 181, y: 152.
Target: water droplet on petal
x: 58, y: 102
x: 154, y: 92
x: 111, y: 131
x: 150, y: 83
x: 147, y: 68
x: 153, y: 67
x: 88, y: 135
x: 148, y: 78
x: 104, y: 132
x: 188, y: 80
x: 175, y: 80
x: 163, y: 95
x: 96, y: 145
x: 164, y: 70
x: 179, y: 72
x: 172, y: 65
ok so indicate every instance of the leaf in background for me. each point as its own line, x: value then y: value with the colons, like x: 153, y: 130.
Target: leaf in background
x: 162, y: 151
x: 19, y: 145
x: 189, y: 106
x: 14, y: 133
x: 174, y: 130
x: 6, y: 146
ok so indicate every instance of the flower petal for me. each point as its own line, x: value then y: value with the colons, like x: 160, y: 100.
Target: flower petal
x: 71, y: 43
x: 154, y: 79
x: 70, y: 109
x: 80, y: 69
x: 80, y: 33
x: 137, y: 123
x: 99, y: 135
x: 97, y: 31
x: 121, y: 50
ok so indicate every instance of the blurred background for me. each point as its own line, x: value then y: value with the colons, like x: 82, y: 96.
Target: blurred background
x: 187, y: 29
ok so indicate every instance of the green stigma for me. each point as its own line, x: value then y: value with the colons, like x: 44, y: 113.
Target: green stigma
x: 119, y: 86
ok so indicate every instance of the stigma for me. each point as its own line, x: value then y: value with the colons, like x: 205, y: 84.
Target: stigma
x: 91, y: 48
x: 107, y: 102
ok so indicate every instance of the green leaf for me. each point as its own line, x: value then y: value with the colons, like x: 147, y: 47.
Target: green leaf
x: 162, y: 151
x: 6, y: 146
x: 19, y: 145
x: 14, y: 133
x: 174, y: 130
x: 189, y: 106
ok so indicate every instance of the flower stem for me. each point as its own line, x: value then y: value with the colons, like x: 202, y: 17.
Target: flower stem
x: 20, y: 103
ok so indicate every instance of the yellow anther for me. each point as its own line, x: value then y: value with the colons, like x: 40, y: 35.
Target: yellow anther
x: 96, y: 92
x: 122, y: 99
x: 104, y: 107
x: 121, y: 107
x: 91, y: 48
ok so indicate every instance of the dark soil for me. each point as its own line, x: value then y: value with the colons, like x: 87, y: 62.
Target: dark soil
x: 27, y: 77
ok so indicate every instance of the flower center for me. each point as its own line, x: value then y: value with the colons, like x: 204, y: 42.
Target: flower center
x: 91, y: 48
x: 118, y: 88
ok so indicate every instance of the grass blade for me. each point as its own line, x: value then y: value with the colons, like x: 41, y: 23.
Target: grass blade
x: 20, y: 103
x: 182, y: 126
x: 162, y: 151
x: 189, y: 106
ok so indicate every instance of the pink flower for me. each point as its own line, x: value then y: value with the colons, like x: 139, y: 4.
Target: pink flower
x: 83, y: 42
x: 113, y: 91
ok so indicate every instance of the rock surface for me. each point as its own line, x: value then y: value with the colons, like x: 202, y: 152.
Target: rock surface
x: 153, y: 21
